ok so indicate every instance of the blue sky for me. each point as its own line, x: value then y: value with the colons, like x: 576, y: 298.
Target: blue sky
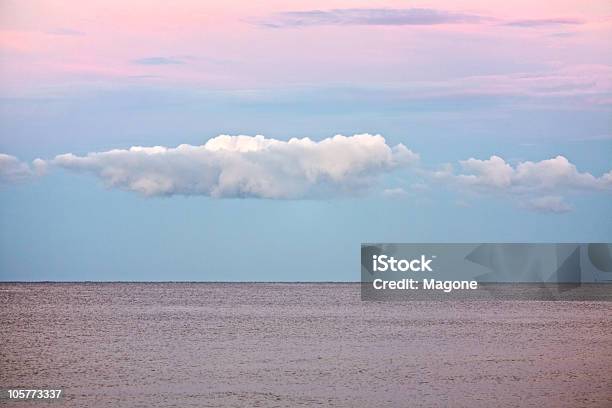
x: 528, y: 103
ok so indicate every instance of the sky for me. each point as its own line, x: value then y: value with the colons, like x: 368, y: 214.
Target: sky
x: 265, y: 141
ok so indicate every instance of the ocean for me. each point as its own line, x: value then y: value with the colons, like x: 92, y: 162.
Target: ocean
x: 293, y: 345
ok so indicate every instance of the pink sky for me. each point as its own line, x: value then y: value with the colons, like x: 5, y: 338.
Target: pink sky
x: 51, y: 45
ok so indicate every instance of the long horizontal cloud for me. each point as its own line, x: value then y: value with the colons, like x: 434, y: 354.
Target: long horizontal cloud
x: 14, y: 170
x: 591, y: 83
x: 569, y: 87
x: 544, y: 22
x: 259, y: 167
x: 245, y: 166
x: 372, y: 16
x: 159, y: 61
x: 398, y: 17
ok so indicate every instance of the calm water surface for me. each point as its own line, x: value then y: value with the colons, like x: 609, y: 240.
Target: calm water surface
x: 226, y: 345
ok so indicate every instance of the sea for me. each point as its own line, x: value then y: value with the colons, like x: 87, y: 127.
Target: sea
x: 297, y: 345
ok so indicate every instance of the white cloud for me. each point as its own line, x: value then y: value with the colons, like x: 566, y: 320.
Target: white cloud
x: 536, y: 185
x: 245, y: 166
x: 395, y: 193
x: 13, y: 170
x: 495, y: 174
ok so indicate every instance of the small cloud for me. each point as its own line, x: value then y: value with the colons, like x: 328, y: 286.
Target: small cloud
x: 563, y: 35
x: 372, y: 17
x: 39, y: 167
x: 395, y: 193
x: 419, y: 187
x: 544, y: 22
x: 545, y: 179
x: 145, y: 77
x: 13, y: 170
x: 462, y: 203
x: 65, y: 31
x: 548, y: 204
x: 497, y: 175
x: 159, y: 61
